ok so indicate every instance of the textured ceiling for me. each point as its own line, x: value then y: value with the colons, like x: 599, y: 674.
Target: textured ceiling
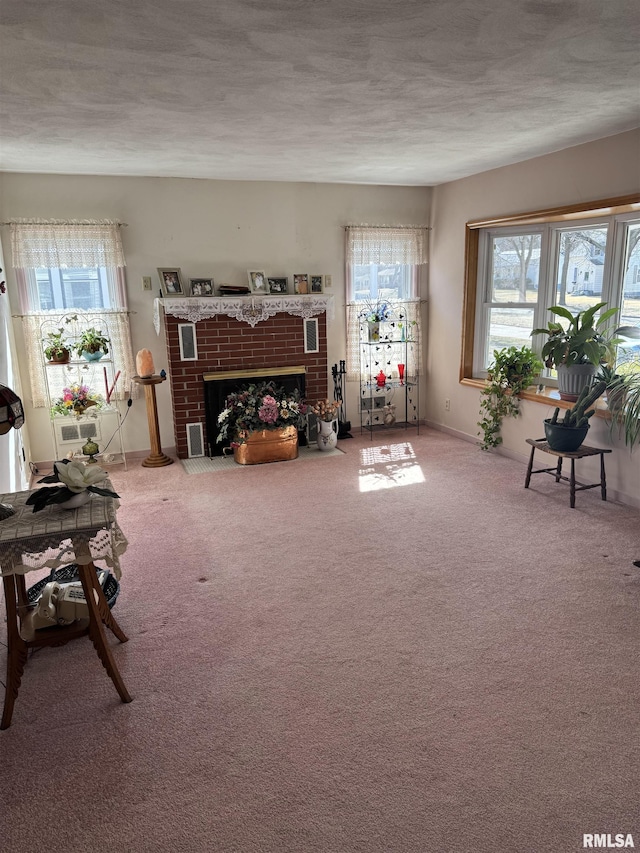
x: 361, y: 91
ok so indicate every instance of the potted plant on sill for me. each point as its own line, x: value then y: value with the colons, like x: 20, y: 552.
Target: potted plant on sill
x: 566, y: 435
x: 623, y: 402
x: 57, y: 348
x: 513, y: 370
x: 262, y: 422
x: 577, y: 350
x: 92, y: 344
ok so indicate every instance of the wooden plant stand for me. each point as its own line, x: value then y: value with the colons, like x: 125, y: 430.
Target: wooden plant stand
x: 583, y: 451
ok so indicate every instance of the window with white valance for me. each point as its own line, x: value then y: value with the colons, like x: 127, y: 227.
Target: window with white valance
x: 63, y: 266
x: 382, y: 265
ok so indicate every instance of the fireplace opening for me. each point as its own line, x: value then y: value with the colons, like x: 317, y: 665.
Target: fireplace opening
x: 217, y: 387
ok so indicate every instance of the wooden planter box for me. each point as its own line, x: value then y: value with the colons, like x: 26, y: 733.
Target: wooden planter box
x: 268, y: 445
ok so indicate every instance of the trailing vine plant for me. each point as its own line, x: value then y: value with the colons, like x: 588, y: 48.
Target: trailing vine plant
x: 513, y: 369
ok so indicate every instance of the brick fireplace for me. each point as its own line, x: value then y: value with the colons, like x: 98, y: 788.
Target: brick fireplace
x: 224, y: 343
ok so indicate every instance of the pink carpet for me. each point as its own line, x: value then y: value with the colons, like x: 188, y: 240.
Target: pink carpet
x: 395, y: 650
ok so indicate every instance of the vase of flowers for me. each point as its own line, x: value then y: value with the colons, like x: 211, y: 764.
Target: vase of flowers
x: 327, y: 414
x: 374, y: 314
x: 75, y: 400
x: 78, y: 480
x: 262, y: 423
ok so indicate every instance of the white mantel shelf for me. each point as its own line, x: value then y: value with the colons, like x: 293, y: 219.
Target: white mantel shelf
x: 246, y: 309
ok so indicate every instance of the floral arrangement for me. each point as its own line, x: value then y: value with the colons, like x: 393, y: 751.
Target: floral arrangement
x: 75, y: 399
x: 326, y: 410
x: 259, y: 407
x: 376, y: 312
x: 77, y: 477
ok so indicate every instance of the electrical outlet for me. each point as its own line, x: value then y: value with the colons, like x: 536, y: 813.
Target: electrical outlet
x: 327, y: 281
x: 447, y: 405
x: 146, y: 282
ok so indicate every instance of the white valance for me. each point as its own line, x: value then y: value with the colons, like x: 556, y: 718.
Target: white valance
x: 245, y: 309
x: 55, y: 244
x: 382, y: 245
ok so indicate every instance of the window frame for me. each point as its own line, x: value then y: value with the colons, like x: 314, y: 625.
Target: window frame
x: 571, y: 216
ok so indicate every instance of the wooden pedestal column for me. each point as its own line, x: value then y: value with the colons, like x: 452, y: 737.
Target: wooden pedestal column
x: 156, y: 459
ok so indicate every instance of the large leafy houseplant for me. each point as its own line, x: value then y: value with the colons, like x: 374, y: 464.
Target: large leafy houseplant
x: 513, y: 369
x: 259, y: 407
x: 586, y: 340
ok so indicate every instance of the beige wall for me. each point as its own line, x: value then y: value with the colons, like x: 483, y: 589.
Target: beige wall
x: 207, y: 228
x: 605, y: 168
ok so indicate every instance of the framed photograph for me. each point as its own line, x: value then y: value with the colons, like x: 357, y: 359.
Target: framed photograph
x: 200, y: 287
x: 301, y: 282
x: 171, y: 282
x: 316, y: 283
x: 257, y: 281
x: 278, y: 285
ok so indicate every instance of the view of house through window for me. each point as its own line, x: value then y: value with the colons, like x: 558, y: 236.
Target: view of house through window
x: 86, y: 288
x: 523, y: 271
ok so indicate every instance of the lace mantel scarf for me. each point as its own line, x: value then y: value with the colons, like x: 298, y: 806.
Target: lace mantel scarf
x: 245, y: 309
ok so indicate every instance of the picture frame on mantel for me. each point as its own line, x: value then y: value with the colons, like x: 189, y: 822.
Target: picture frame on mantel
x: 278, y: 285
x: 257, y: 281
x: 200, y: 287
x: 316, y: 283
x: 171, y: 281
x: 301, y: 282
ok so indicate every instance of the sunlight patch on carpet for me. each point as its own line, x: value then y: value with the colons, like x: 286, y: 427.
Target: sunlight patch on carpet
x: 204, y: 465
x: 386, y: 466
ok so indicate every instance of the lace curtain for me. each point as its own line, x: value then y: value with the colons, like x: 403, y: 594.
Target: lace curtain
x: 51, y: 244
x: 116, y: 326
x: 369, y: 245
x: 37, y: 243
x: 381, y: 245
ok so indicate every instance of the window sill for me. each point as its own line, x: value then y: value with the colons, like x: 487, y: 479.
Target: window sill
x: 550, y: 397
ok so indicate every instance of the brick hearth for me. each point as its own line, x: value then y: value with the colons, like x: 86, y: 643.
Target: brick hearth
x: 228, y: 344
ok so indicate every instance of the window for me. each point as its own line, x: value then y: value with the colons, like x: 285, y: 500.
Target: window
x: 63, y: 267
x: 519, y: 266
x: 383, y: 265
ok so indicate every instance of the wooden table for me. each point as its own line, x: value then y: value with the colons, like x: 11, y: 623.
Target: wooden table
x: 156, y: 459
x: 52, y: 538
x: 574, y: 486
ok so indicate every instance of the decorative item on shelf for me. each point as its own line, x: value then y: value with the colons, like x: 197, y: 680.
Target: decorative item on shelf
x: 389, y: 414
x: 144, y: 364
x: 381, y: 379
x: 256, y: 410
x: 11, y: 410
x: 401, y: 373
x: 75, y: 400
x: 327, y: 414
x: 79, y: 480
x: 374, y: 330
x: 90, y: 448
x: 92, y: 344
x: 566, y: 435
x: 577, y: 351
x: 57, y: 348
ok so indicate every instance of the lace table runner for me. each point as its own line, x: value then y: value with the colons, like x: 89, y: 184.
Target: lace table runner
x: 56, y: 537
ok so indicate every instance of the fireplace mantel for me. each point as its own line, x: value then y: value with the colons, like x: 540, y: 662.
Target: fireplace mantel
x: 245, y: 309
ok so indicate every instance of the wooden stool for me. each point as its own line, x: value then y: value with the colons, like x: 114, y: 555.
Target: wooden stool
x: 556, y: 471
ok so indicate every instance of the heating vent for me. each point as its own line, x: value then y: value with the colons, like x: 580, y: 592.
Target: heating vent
x: 195, y: 442
x: 67, y: 432
x: 311, y: 343
x: 188, y: 343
